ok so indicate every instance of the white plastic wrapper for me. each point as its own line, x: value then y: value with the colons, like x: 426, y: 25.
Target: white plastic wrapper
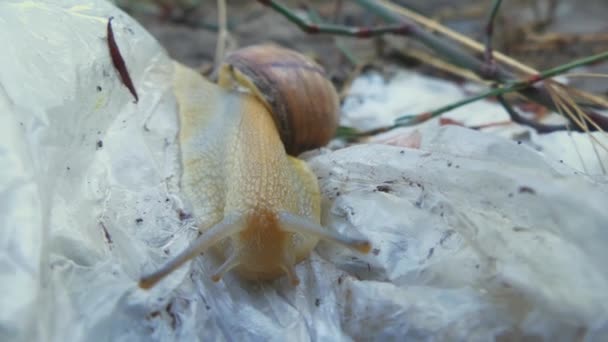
x: 475, y: 237
x: 374, y: 102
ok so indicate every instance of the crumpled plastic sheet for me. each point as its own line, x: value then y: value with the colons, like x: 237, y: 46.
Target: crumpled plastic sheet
x: 475, y: 237
x: 375, y: 101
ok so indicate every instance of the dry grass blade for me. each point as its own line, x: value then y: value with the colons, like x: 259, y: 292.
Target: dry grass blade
x: 562, y: 99
x: 430, y: 59
x: 584, y: 118
x: 477, y: 46
x: 594, y: 99
x: 592, y: 139
x: 462, y: 39
x: 562, y: 109
x: 567, y: 106
x: 566, y: 97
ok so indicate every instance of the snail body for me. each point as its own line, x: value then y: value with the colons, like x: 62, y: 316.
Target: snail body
x: 257, y: 207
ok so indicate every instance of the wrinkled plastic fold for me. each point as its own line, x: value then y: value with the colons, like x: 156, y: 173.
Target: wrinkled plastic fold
x: 474, y: 237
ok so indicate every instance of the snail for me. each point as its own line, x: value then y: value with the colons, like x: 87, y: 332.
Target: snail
x: 257, y: 205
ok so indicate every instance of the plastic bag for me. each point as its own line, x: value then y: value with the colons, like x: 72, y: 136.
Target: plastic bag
x: 474, y: 236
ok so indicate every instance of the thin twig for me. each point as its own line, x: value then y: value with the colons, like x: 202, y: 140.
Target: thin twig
x: 464, y: 59
x: 503, y: 90
x: 339, y: 30
x: 442, y: 47
x: 352, y: 59
x: 434, y: 26
x: 337, y: 11
x: 438, y: 63
x: 489, y: 59
x: 409, y: 120
x: 488, y: 54
x: 315, y: 18
x: 516, y: 117
x: 573, y: 64
x: 222, y: 35
x: 491, y: 66
x: 451, y: 52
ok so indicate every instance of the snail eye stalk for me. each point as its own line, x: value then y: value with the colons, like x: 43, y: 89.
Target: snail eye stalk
x: 297, y: 224
x: 225, y: 228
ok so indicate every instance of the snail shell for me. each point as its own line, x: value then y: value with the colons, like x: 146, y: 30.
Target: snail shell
x: 303, y: 102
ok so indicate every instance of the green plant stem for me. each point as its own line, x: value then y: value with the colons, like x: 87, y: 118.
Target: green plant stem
x: 409, y: 120
x: 453, y: 53
x: 311, y: 27
x: 450, y: 51
x: 489, y: 58
x: 491, y: 65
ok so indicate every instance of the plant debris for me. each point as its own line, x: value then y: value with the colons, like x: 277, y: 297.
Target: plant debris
x: 119, y: 62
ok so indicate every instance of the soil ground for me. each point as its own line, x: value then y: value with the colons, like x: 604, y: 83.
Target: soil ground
x: 539, y: 33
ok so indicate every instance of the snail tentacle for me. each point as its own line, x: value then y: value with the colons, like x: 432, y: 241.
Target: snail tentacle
x: 288, y: 267
x: 230, y: 225
x: 233, y: 261
x: 297, y: 224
